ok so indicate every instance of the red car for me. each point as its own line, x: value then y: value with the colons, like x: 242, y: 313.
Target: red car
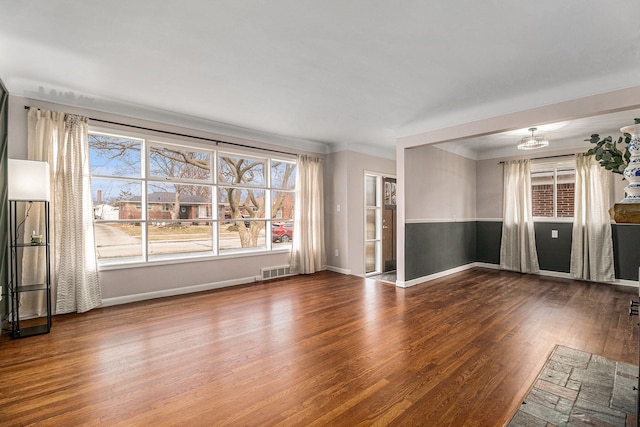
x: 281, y: 232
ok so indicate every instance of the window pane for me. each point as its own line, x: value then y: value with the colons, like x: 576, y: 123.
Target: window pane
x: 234, y: 235
x: 282, y: 204
x: 116, y: 199
x: 282, y: 234
x: 114, y: 155
x: 155, y: 200
x: 283, y: 175
x: 370, y: 257
x: 178, y: 162
x: 565, y: 193
x: 240, y: 203
x: 179, y: 237
x: 178, y: 201
x: 240, y: 170
x: 117, y: 240
x: 371, y: 224
x: 370, y: 191
x: 542, y: 194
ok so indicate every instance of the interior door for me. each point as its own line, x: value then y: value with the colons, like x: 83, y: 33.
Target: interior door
x: 389, y: 225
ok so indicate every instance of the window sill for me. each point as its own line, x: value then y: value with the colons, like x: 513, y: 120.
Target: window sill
x: 169, y: 261
x: 550, y: 219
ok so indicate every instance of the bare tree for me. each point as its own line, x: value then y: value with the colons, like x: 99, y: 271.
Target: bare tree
x: 237, y: 170
x: 238, y: 178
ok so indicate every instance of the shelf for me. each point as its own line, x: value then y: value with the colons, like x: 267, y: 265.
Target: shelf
x: 32, y: 288
x: 28, y: 245
x: 31, y: 331
x: 41, y: 267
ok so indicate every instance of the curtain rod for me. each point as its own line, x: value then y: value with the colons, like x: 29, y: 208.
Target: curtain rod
x: 217, y: 141
x: 542, y: 158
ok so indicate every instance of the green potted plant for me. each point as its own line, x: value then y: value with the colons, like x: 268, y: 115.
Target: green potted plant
x: 625, y: 162
x: 608, y: 154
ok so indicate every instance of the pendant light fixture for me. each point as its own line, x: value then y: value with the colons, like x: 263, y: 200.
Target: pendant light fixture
x: 533, y: 142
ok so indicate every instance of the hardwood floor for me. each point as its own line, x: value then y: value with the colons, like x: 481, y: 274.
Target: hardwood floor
x: 327, y: 349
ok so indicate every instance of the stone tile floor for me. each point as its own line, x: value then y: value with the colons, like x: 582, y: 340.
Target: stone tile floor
x: 580, y: 389
x: 389, y: 277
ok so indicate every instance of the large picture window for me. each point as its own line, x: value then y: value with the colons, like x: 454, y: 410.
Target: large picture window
x: 156, y: 200
x: 553, y: 189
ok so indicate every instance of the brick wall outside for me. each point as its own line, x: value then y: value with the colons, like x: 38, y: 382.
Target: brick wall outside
x: 542, y: 200
x: 565, y: 199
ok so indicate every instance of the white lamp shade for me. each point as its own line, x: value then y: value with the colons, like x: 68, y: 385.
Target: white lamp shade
x: 28, y: 180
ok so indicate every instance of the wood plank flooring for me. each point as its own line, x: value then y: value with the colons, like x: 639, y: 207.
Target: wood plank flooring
x: 324, y: 349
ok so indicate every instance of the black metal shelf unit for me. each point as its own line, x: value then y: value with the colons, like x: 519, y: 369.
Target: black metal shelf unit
x: 17, y: 290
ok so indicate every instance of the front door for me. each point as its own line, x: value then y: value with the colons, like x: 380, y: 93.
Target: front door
x: 389, y: 225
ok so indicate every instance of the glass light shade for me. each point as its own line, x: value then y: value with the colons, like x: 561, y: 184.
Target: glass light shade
x: 28, y: 180
x: 533, y: 142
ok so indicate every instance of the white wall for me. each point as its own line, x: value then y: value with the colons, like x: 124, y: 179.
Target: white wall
x: 336, y: 223
x: 442, y: 185
x: 490, y: 183
x: 345, y: 230
x: 357, y: 164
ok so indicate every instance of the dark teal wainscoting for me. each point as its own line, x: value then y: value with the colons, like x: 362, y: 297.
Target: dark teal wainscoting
x: 626, y: 250
x: 554, y: 254
x: 489, y: 234
x: 433, y: 247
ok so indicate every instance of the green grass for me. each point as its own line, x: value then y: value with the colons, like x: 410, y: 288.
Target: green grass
x: 160, y: 233
x: 190, y: 231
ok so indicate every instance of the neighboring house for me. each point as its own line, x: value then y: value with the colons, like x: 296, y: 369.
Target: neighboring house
x: 287, y: 207
x: 106, y: 212
x: 161, y: 204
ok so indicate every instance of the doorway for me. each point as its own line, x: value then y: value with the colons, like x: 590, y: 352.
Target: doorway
x: 380, y: 224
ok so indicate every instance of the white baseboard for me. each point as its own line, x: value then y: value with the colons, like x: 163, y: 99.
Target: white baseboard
x: 246, y: 280
x: 423, y: 279
x: 620, y: 282
x: 623, y: 282
x: 487, y: 265
x: 178, y: 291
x: 558, y: 274
x: 413, y: 282
x: 338, y: 269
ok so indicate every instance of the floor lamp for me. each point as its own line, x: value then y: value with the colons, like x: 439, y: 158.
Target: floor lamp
x: 28, y: 183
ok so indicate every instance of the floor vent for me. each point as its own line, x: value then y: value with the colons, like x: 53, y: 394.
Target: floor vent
x: 273, y: 272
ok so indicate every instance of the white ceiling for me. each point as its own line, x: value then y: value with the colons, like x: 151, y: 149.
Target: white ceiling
x: 568, y: 135
x: 350, y: 74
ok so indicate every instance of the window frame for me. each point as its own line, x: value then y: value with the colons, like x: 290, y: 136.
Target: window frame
x: 376, y: 211
x: 553, y: 166
x: 146, y: 178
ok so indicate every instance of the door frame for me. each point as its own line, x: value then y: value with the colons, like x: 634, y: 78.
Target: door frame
x: 378, y: 241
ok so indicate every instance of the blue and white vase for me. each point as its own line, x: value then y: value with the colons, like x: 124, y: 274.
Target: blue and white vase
x: 632, y: 171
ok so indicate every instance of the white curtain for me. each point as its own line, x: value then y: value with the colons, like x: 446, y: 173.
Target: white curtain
x: 591, y: 245
x: 61, y: 140
x: 307, y: 253
x: 45, y: 129
x: 518, y: 245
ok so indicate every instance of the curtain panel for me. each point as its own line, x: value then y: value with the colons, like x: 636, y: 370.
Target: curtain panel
x: 518, y: 244
x: 45, y: 129
x: 592, y: 244
x: 62, y: 140
x: 307, y: 252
